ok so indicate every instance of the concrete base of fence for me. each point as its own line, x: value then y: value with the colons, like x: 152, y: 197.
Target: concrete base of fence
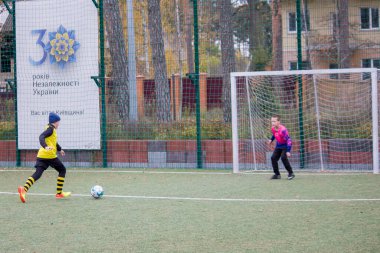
x: 216, y: 154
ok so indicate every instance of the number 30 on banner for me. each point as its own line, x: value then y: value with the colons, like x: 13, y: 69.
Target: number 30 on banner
x: 41, y: 33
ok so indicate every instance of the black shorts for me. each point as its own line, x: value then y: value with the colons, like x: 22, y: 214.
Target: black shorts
x: 54, y: 163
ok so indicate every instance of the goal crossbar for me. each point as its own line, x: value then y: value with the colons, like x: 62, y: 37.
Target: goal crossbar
x: 305, y: 72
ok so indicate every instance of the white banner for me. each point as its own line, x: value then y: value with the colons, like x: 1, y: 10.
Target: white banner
x: 57, y: 53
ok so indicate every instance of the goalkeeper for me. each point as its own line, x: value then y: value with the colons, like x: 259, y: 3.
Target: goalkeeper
x: 282, y: 149
x: 47, y: 156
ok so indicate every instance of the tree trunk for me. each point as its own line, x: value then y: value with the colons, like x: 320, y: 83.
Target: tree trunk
x: 277, y: 35
x: 159, y: 61
x: 228, y: 54
x: 254, y: 30
x: 188, y: 9
x: 279, y: 82
x: 119, y: 88
x: 343, y: 34
x: 179, y: 50
x: 145, y: 41
x: 305, y: 10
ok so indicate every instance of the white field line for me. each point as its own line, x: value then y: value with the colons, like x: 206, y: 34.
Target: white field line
x: 264, y: 172
x: 205, y: 199
x: 125, y: 171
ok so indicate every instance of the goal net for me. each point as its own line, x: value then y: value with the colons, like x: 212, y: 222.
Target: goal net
x: 331, y: 116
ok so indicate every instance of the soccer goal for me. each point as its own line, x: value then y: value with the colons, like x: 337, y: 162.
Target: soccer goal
x: 331, y: 116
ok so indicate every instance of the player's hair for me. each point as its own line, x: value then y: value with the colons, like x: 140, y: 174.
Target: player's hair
x: 277, y: 117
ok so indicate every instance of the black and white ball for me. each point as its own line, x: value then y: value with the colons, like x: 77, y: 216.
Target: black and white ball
x: 97, y: 191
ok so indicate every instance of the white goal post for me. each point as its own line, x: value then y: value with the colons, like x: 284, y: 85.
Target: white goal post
x: 331, y: 115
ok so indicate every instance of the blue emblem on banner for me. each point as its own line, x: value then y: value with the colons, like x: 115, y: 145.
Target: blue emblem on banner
x: 62, y: 46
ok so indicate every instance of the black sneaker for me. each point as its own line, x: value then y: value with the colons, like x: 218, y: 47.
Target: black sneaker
x: 291, y: 176
x: 276, y: 177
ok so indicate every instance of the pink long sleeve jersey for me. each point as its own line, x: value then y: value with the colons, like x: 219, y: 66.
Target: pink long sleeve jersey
x: 282, y: 137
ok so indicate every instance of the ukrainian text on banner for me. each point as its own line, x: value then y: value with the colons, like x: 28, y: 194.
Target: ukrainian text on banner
x: 57, y: 53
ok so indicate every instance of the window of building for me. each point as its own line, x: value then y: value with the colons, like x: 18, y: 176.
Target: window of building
x: 370, y: 63
x: 292, y: 19
x: 305, y: 65
x: 369, y: 18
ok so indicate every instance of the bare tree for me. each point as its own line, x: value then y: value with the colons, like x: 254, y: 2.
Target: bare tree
x: 179, y: 50
x: 119, y: 88
x: 343, y: 34
x: 159, y: 61
x: 277, y: 59
x: 276, y: 35
x: 188, y: 10
x: 253, y: 24
x: 306, y: 28
x: 145, y: 40
x: 330, y: 46
x: 253, y: 27
x: 228, y: 54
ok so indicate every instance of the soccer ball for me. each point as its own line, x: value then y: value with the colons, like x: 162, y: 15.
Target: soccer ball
x: 97, y: 191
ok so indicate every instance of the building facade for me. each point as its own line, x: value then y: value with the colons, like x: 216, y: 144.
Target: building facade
x: 321, y: 39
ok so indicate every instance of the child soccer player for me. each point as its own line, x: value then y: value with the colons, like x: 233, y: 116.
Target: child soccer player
x: 47, y: 156
x: 282, y: 149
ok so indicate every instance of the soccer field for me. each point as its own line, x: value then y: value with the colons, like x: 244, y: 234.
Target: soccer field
x: 177, y: 211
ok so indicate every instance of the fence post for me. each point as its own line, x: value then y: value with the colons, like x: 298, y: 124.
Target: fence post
x: 196, y: 83
x: 103, y: 85
x: 14, y: 81
x: 300, y: 84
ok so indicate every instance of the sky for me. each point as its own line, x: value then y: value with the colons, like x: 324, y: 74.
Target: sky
x: 3, y: 14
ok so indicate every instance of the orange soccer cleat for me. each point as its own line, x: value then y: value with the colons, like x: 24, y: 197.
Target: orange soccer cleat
x: 62, y: 195
x: 22, y: 193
